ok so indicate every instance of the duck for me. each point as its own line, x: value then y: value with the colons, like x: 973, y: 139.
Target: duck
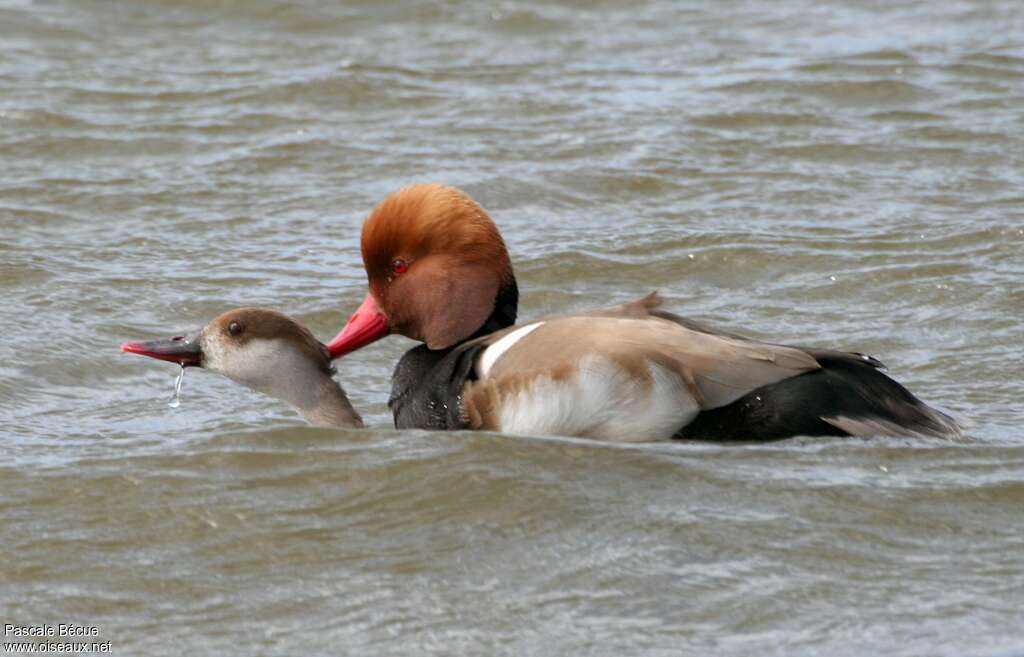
x: 268, y: 352
x: 440, y: 273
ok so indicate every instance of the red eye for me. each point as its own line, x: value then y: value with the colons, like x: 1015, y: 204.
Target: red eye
x: 399, y: 266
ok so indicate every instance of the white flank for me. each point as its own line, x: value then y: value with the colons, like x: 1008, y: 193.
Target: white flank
x: 494, y: 352
x: 602, y: 401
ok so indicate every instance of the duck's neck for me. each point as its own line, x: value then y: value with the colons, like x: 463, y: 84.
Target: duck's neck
x: 506, y: 306
x: 325, y: 404
x: 312, y: 392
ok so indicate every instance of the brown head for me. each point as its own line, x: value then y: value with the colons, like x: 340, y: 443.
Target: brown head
x: 436, y: 266
x: 266, y: 351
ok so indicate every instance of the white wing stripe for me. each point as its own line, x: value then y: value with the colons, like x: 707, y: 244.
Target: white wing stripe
x: 493, y: 353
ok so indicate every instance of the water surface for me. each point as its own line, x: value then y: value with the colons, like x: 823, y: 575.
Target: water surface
x: 840, y: 174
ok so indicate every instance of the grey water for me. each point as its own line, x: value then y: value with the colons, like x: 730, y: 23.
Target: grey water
x: 834, y: 174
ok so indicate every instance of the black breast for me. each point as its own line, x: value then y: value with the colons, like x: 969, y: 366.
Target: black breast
x: 426, y: 388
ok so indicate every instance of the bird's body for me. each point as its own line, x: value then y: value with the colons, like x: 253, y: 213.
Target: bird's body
x: 635, y: 373
x: 439, y: 272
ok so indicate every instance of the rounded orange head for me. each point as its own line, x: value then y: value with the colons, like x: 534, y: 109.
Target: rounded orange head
x: 438, y: 271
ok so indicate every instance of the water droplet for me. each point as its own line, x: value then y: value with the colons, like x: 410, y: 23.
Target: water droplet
x: 175, y: 400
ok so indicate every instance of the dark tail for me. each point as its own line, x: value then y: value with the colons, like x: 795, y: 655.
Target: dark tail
x: 848, y: 396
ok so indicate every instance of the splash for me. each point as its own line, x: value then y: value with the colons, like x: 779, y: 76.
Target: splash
x: 175, y: 400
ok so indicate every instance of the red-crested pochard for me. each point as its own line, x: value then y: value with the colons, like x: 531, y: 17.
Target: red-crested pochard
x: 439, y: 272
x: 267, y: 352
